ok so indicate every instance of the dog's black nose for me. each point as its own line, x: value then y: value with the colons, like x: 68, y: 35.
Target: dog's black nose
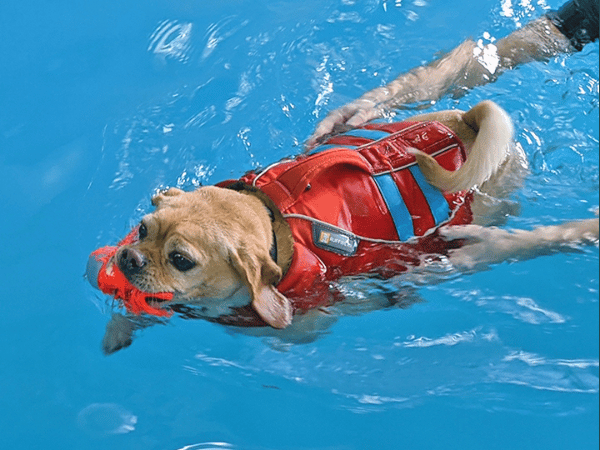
x: 131, y: 261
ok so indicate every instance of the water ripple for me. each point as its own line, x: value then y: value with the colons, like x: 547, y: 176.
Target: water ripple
x: 524, y: 309
x: 208, y: 446
x: 532, y: 359
x: 449, y: 339
x: 220, y: 31
x: 105, y: 419
x: 171, y: 40
x: 558, y: 375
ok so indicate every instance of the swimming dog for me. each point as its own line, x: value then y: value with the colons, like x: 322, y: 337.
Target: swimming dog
x: 378, y: 201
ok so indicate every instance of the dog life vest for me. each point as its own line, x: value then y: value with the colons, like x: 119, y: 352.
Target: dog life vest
x: 358, y: 205
x: 361, y: 205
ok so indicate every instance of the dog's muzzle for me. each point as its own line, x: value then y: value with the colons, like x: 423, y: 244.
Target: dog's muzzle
x: 108, y: 270
x: 131, y: 261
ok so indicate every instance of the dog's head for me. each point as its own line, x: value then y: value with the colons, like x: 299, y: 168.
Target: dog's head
x: 207, y: 244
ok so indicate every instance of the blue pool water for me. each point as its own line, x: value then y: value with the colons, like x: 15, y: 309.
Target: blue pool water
x: 101, y: 103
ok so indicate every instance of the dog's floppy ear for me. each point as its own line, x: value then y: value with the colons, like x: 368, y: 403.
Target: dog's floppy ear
x: 260, y: 273
x: 161, y: 196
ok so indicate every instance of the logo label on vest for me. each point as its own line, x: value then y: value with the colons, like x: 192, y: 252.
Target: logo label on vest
x: 334, y: 240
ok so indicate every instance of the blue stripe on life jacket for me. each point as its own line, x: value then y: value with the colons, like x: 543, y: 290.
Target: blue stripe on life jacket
x: 369, y: 134
x: 396, y: 206
x: 364, y: 133
x: 436, y: 200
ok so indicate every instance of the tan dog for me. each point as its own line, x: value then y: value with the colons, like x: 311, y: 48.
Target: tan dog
x: 213, y: 247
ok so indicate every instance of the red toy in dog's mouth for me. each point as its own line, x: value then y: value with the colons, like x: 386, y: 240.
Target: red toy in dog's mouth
x: 103, y: 273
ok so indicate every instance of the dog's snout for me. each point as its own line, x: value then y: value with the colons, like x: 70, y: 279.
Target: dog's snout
x: 131, y: 261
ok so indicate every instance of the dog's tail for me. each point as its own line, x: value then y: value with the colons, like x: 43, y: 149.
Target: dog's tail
x: 494, y: 135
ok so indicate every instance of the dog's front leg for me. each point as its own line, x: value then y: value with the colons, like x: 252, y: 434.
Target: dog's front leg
x: 119, y: 333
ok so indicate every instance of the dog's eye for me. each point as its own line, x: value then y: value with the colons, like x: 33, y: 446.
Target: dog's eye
x: 142, y: 231
x: 180, y: 262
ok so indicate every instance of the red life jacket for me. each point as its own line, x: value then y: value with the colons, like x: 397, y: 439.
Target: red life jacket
x: 361, y: 205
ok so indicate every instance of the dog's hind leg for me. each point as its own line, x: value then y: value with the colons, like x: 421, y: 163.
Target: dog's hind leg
x: 490, y: 245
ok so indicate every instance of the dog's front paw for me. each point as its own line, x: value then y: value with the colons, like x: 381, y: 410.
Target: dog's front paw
x: 118, y: 335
